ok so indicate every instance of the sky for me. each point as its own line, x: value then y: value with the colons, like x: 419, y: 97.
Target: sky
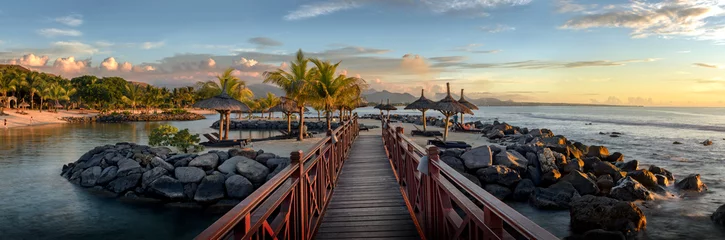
x: 655, y: 53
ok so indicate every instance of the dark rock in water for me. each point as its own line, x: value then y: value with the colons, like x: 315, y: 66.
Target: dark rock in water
x: 127, y: 166
x: 645, y: 177
x: 592, y: 212
x: 262, y: 158
x: 454, y: 162
x: 658, y: 170
x: 90, y: 176
x: 573, y: 165
x: 615, y: 157
x: 495, y: 134
x: 190, y: 190
x: 582, y: 183
x: 511, y: 159
x: 557, y: 144
x: 189, y: 174
x: 523, y: 190
x: 629, y: 189
x: 557, y: 196
x: 238, y: 187
x: 718, y: 217
x: 230, y: 165
x: 574, y: 152
x: 534, y: 174
x: 107, y: 175
x: 550, y: 177
x: 605, y: 183
x: 124, y: 183
x: 497, y: 191
x: 691, y: 183
x: 589, y: 163
x: 601, y: 234
x: 662, y: 180
x: 628, y: 166
x: 498, y: 174
x: 614, y: 135
x: 598, y: 151
x: 158, y: 162
x: 560, y: 160
x: 547, y: 161
x: 605, y: 168
x: 478, y: 157
x: 93, y: 161
x: 583, y: 148
x: 210, y: 189
x: 207, y: 161
x: 707, y: 142
x: 253, y: 171
x: 676, y: 142
x: 151, y: 175
x: 167, y: 187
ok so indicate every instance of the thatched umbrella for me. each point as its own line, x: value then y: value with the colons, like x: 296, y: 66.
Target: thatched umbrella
x: 24, y: 105
x: 57, y: 106
x: 466, y: 103
x: 449, y: 107
x: 422, y: 104
x: 388, y: 107
x: 288, y: 107
x: 378, y: 107
x: 224, y: 104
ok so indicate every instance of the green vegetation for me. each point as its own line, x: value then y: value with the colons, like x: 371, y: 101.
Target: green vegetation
x: 167, y: 135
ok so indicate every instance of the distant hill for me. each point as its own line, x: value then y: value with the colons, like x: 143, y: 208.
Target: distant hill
x: 376, y: 97
x: 261, y: 89
x: 18, y: 67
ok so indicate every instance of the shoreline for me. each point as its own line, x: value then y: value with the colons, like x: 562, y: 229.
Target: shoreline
x: 16, y: 120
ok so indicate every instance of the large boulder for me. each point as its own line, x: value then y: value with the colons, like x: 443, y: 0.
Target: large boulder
x: 454, y: 162
x: 253, y: 171
x: 263, y: 157
x: 189, y: 174
x: 628, y: 189
x: 158, y: 162
x: 107, y: 175
x: 497, y: 191
x: 478, y: 157
x: 658, y: 170
x: 592, y: 212
x: 151, y: 175
x: 645, y: 177
x: 210, y: 189
x: 605, y: 184
x: 557, y: 196
x: 574, y: 164
x: 93, y: 161
x: 124, y: 183
x: 615, y: 157
x: 557, y: 144
x: 498, y: 174
x: 207, y: 161
x: 90, y: 176
x: 550, y: 177
x: 534, y: 174
x: 523, y: 190
x: 582, y: 183
x: 167, y: 187
x: 598, y: 151
x: 245, y: 152
x: 718, y: 217
x: 274, y: 162
x: 691, y: 183
x: 127, y: 166
x: 628, y: 166
x: 547, y: 161
x: 238, y: 187
x: 230, y: 165
x: 511, y: 159
x: 605, y: 168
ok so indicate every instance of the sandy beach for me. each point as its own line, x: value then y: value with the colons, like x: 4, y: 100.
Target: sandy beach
x: 15, y: 120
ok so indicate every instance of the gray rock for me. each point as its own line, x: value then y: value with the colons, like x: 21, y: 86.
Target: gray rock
x: 158, y: 162
x: 107, y: 175
x: 477, y: 157
x: 658, y: 170
x: 628, y: 166
x: 454, y: 162
x: 691, y: 183
x: 272, y: 163
x: 167, y: 187
x: 262, y: 158
x: 573, y: 165
x: 238, y: 187
x: 230, y: 165
x: 550, y: 178
x: 615, y: 157
x: 497, y: 191
x: 605, y: 168
x: 718, y: 217
x: 511, y: 159
x: 151, y: 175
x: 182, y: 162
x: 557, y: 196
x: 253, y: 171
x: 523, y: 190
x: 127, y: 166
x: 190, y: 190
x: 178, y: 157
x: 210, y: 189
x: 246, y: 152
x: 207, y: 161
x: 498, y: 174
x: 605, y: 183
x: 598, y: 151
x: 534, y: 174
x: 93, y: 161
x: 547, y: 161
x: 90, y: 176
x: 124, y: 183
x: 161, y: 152
x: 189, y: 174
x: 645, y: 177
x: 278, y: 168
x: 582, y: 183
x: 591, y: 212
x: 628, y: 189
x: 662, y: 180
x: 223, y: 156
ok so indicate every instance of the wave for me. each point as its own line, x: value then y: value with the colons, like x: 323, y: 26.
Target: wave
x: 632, y: 123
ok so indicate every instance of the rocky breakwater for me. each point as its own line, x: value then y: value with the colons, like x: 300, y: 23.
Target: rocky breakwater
x: 137, y: 172
x: 548, y: 171
x: 122, y: 117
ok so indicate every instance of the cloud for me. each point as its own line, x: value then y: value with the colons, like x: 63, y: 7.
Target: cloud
x: 472, y: 49
x: 640, y: 101
x: 443, y: 6
x: 264, y: 42
x: 125, y: 67
x: 705, y: 65
x: 537, y: 64
x: 55, y: 32
x: 664, y: 18
x: 448, y: 59
x: 152, y: 45
x: 246, y: 62
x: 319, y: 9
x: 72, y: 20
x: 70, y: 65
x: 497, y: 28
x: 30, y: 60
x: 109, y: 64
x: 104, y: 44
x: 565, y: 6
x: 207, y: 64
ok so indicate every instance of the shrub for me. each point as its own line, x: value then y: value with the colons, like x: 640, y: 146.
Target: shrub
x: 176, y: 111
x: 167, y: 135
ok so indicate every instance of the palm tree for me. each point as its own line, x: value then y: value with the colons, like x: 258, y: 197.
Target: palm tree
x: 234, y: 86
x: 133, y: 93
x: 268, y: 102
x: 7, y: 84
x: 57, y: 93
x: 35, y: 84
x: 295, y: 84
x: 327, y: 87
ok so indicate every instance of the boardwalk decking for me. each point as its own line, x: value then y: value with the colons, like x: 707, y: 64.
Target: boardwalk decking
x: 367, y: 203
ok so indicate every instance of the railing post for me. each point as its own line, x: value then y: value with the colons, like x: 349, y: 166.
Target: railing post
x: 332, y: 161
x: 398, y: 152
x: 300, y: 193
x: 430, y: 191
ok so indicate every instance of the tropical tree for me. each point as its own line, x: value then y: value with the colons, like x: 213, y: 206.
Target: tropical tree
x: 269, y: 102
x: 7, y: 84
x: 235, y: 87
x: 295, y: 84
x: 133, y: 95
x: 58, y: 93
x: 328, y: 86
x: 34, y: 83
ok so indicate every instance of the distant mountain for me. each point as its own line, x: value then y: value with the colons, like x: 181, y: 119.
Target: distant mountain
x: 261, y: 89
x: 16, y: 67
x: 376, y: 97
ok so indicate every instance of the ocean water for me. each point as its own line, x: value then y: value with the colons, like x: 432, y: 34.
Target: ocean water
x: 37, y: 203
x: 648, y: 134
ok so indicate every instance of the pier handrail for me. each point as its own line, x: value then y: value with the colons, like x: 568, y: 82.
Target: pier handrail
x: 292, y: 203
x: 444, y: 203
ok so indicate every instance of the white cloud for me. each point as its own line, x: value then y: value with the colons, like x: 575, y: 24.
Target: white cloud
x: 76, y: 48
x: 72, y: 20
x: 497, y: 28
x: 458, y: 5
x: 318, y: 9
x: 207, y: 64
x: 104, y: 44
x: 109, y: 64
x: 125, y: 67
x: 246, y: 62
x: 55, y: 32
x: 30, y: 60
x: 705, y: 65
x: 70, y: 65
x: 152, y: 45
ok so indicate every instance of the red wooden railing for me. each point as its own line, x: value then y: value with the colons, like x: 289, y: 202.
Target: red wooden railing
x: 445, y: 204
x: 292, y: 203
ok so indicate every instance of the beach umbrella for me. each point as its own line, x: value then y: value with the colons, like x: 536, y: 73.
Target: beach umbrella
x: 388, y: 107
x: 449, y: 107
x: 378, y: 107
x: 224, y: 104
x: 24, y: 105
x: 466, y: 103
x: 422, y: 104
x: 288, y: 107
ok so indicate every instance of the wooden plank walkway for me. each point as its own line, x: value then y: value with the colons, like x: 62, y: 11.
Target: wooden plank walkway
x: 367, y: 203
